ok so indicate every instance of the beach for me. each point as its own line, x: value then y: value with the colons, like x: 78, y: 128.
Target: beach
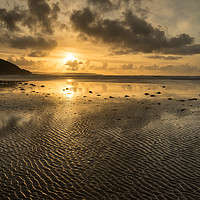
x: 120, y: 139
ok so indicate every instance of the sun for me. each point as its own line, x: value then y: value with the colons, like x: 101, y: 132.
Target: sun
x: 70, y: 57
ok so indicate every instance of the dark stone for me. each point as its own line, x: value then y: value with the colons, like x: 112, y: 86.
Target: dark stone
x: 193, y: 99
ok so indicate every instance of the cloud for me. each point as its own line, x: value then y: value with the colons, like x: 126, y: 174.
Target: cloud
x: 92, y: 67
x: 11, y: 18
x: 27, y: 42
x: 73, y: 65
x: 110, y: 5
x: 131, y: 34
x: 128, y: 66
x: 37, y: 54
x: 41, y: 14
x: 23, y: 62
x: 165, y: 57
x: 170, y: 69
x: 105, y: 5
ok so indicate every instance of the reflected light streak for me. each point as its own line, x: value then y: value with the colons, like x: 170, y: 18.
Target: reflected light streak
x: 68, y: 91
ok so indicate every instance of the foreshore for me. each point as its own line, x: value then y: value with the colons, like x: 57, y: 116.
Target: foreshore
x: 75, y: 139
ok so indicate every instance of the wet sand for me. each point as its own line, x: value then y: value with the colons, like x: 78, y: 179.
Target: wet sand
x: 60, y: 141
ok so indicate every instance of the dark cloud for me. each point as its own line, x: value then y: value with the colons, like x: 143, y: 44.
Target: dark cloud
x: 40, y: 15
x: 38, y: 43
x: 22, y: 61
x: 11, y: 18
x: 37, y: 54
x: 131, y: 34
x: 109, y: 5
x: 165, y: 57
x: 183, y: 50
x: 106, y: 5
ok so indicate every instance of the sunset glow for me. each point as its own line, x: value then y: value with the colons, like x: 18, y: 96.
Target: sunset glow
x: 135, y: 37
x: 69, y: 57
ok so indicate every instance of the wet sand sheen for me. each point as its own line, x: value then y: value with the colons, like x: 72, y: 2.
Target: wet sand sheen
x: 114, y: 148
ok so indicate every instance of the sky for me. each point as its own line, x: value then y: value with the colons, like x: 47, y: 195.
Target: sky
x: 115, y: 37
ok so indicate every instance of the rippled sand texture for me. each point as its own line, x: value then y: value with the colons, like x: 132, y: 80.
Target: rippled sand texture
x: 134, y: 147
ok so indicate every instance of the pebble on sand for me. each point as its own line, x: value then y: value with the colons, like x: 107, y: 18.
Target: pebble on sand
x: 32, y: 84
x: 193, y: 99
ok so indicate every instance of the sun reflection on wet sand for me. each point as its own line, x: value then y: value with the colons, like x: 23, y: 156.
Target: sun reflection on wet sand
x: 87, y: 143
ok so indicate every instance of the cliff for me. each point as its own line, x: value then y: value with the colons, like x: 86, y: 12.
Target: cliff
x: 7, y: 68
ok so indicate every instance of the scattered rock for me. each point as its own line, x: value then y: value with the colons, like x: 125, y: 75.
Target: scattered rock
x: 158, y: 92
x: 111, y: 97
x: 42, y: 86
x: 98, y: 95
x: 163, y: 86
x: 183, y: 109
x: 169, y: 98
x: 146, y: 93
x: 193, y: 99
x: 152, y: 95
x: 90, y: 91
x: 126, y: 96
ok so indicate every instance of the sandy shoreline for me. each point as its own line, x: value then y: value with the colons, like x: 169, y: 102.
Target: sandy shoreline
x: 90, y: 146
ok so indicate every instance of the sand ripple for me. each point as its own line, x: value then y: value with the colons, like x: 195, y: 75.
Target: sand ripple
x: 101, y: 155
